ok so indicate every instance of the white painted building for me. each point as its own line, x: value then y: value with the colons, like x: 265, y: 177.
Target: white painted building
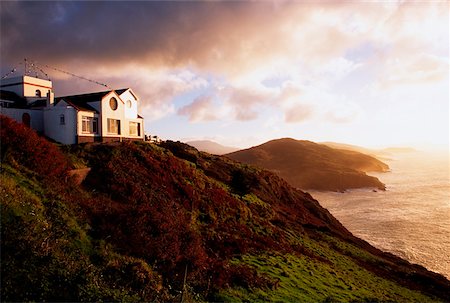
x: 95, y: 117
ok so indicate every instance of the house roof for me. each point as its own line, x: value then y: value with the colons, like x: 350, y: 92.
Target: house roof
x: 121, y: 91
x: 83, y: 98
x: 38, y: 103
x: 19, y: 101
x: 82, y: 107
x: 80, y: 102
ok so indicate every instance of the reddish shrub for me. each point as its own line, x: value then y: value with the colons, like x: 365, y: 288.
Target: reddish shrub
x: 22, y: 144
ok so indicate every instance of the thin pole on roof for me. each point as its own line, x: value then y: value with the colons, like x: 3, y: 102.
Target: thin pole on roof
x: 36, y: 66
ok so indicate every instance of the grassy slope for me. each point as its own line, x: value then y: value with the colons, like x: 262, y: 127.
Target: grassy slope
x: 309, y: 165
x: 146, y: 214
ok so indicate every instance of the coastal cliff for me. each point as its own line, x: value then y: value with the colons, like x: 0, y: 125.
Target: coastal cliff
x: 170, y: 223
x: 308, y: 165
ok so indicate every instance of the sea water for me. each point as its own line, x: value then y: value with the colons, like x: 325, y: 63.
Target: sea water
x: 411, y: 218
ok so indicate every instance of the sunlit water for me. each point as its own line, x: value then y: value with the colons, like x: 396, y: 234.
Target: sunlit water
x: 410, y: 219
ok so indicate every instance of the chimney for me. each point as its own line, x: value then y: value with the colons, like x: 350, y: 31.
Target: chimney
x: 50, y: 98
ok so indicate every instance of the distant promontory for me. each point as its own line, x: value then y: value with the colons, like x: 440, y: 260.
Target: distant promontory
x: 312, y: 166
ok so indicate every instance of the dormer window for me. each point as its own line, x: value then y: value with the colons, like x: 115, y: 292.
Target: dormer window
x: 38, y: 93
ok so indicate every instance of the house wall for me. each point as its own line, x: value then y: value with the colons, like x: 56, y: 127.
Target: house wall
x: 36, y: 121
x: 26, y: 86
x: 141, y: 126
x: 130, y: 111
x: 63, y: 133
x: 33, y: 84
x: 79, y: 127
x: 108, y: 113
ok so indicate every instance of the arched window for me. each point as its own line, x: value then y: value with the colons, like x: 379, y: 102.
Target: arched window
x: 26, y: 119
x: 38, y: 93
x: 62, y: 120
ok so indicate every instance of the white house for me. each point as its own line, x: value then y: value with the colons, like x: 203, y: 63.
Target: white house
x: 95, y: 117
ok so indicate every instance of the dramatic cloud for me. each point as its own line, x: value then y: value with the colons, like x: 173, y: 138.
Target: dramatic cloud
x: 249, y: 61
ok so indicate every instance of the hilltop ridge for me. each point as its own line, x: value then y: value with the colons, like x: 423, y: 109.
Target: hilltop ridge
x: 212, y: 147
x: 161, y: 223
x: 309, y: 165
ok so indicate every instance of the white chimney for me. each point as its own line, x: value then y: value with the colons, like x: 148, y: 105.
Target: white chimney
x: 50, y: 98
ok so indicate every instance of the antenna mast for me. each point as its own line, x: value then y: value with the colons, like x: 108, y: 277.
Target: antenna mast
x: 28, y: 65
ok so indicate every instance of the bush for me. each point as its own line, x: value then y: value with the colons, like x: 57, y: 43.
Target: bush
x: 23, y: 145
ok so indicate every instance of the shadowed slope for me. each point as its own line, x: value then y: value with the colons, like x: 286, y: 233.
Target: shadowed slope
x: 146, y: 215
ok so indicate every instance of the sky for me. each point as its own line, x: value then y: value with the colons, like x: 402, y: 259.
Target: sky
x: 240, y: 73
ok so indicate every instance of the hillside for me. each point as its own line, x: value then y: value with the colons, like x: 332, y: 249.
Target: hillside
x: 335, y: 145
x: 212, y: 147
x: 308, y: 165
x: 171, y: 224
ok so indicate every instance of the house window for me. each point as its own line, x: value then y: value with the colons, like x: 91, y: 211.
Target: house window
x: 89, y: 125
x: 135, y: 129
x: 38, y: 93
x: 62, y: 120
x: 114, y: 126
x: 113, y: 103
x: 129, y: 103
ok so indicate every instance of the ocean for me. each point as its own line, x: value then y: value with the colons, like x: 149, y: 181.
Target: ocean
x: 411, y: 218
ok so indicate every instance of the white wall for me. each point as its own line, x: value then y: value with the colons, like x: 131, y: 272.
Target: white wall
x: 130, y: 112
x: 32, y: 84
x: 36, y: 121
x: 26, y: 86
x: 108, y: 113
x: 63, y: 133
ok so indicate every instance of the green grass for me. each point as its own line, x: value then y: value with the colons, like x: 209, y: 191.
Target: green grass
x: 303, y: 279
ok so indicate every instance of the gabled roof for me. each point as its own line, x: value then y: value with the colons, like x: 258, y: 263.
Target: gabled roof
x: 84, y: 98
x: 81, y: 107
x: 38, y: 103
x: 80, y: 102
x: 121, y: 91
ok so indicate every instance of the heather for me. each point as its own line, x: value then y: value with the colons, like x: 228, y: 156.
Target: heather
x: 170, y: 223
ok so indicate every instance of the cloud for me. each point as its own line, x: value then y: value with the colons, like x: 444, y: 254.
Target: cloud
x: 244, y: 102
x: 299, y: 61
x: 345, y: 114
x: 201, y: 109
x: 299, y: 113
x: 413, y: 69
x: 231, y: 38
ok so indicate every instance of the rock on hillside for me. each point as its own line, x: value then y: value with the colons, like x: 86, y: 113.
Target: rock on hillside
x: 308, y: 165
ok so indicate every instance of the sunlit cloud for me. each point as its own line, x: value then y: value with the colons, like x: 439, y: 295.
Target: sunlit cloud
x: 287, y: 63
x: 200, y: 110
x: 418, y: 69
x: 298, y: 113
